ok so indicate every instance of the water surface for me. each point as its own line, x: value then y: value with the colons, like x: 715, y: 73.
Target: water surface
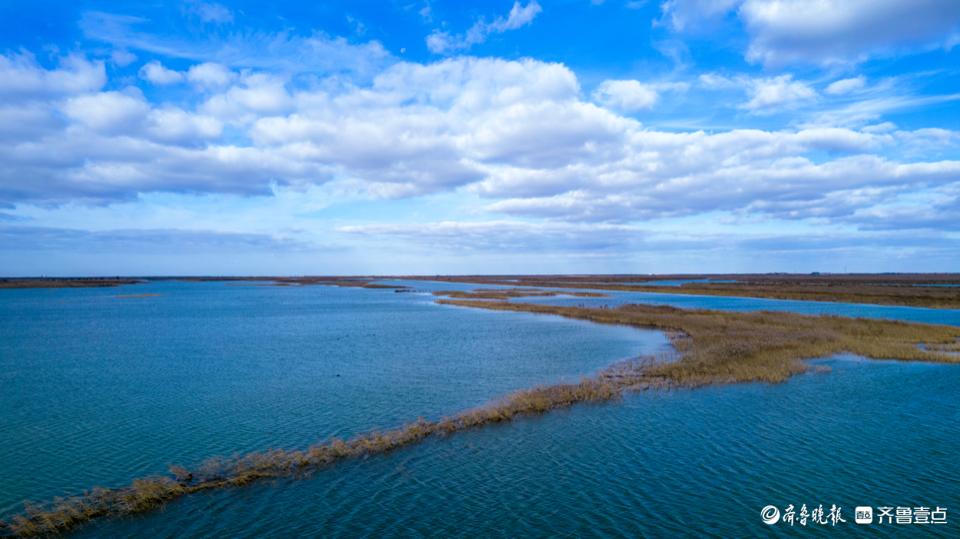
x: 100, y: 389
x: 660, y: 464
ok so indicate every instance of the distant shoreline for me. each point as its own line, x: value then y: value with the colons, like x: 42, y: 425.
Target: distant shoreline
x: 930, y: 290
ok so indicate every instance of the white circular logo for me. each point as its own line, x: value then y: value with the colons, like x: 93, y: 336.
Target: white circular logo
x: 770, y: 515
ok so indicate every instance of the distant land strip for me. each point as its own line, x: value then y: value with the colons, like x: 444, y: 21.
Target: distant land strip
x: 66, y: 282
x: 712, y: 347
x: 935, y: 290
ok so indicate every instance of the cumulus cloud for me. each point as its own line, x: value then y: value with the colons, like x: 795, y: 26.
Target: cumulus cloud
x: 625, y: 95
x: 824, y: 32
x: 210, y: 75
x: 769, y: 95
x: 156, y: 73
x: 440, y: 42
x: 21, y: 76
x: 843, y: 31
x: 518, y: 135
x: 107, y: 111
x: 662, y: 174
x: 174, y: 125
x: 632, y: 95
x: 255, y: 94
x: 780, y: 92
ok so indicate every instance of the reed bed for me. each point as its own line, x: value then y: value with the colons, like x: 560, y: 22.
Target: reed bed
x: 905, y: 290
x: 712, y: 347
x: 729, y: 347
x: 509, y: 293
x: 149, y: 493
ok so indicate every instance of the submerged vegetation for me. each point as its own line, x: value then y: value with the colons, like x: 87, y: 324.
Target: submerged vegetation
x: 711, y: 347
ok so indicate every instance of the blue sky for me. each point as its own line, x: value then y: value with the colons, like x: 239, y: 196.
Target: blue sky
x: 479, y: 137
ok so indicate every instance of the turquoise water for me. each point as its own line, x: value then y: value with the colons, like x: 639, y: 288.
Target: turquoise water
x: 100, y: 389
x: 660, y: 464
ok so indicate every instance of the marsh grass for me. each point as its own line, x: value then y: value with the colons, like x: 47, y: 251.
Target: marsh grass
x: 509, y: 293
x: 145, y: 494
x: 729, y: 347
x: 906, y: 290
x: 711, y: 347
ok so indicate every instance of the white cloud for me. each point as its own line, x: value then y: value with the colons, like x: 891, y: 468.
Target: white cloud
x: 824, y: 32
x: 775, y: 94
x: 21, y: 76
x: 171, y: 124
x: 107, y: 111
x: 255, y: 94
x: 156, y: 73
x: 845, y: 86
x: 884, y: 127
x: 519, y: 16
x: 315, y: 53
x: 440, y: 42
x: 210, y: 75
x: 843, y: 31
x: 626, y: 95
x: 714, y: 81
x: 870, y: 109
x: 517, y: 135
